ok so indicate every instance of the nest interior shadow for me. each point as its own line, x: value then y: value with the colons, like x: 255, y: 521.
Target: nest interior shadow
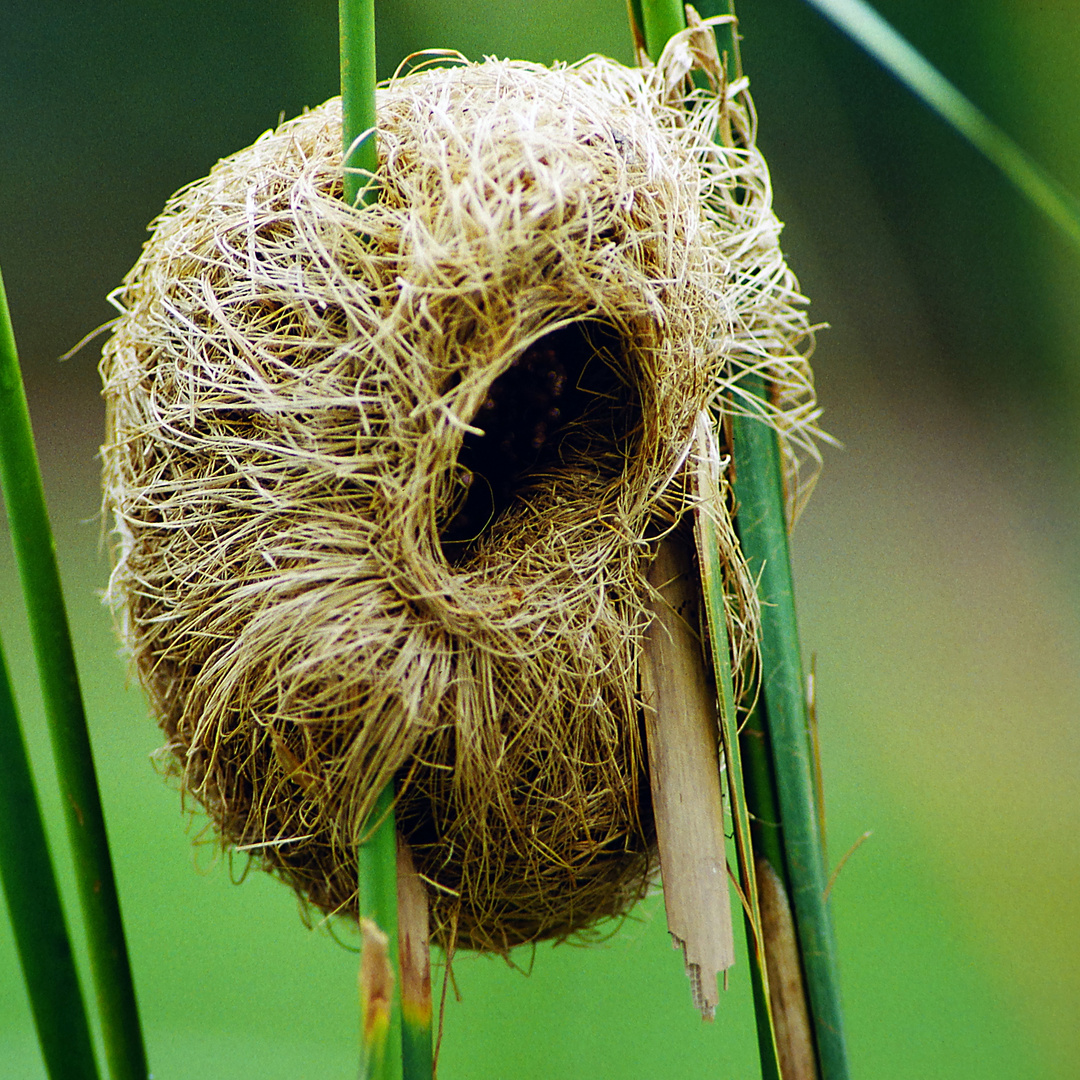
x: 563, y: 399
x: 384, y: 479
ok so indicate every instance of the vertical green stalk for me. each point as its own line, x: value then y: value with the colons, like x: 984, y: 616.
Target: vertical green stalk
x: 356, y: 32
x: 779, y: 779
x: 380, y: 989
x: 37, y: 917
x: 380, y: 982
x: 740, y: 789
x: 762, y: 527
x: 658, y: 27
x: 35, y: 554
x: 661, y: 20
x: 780, y: 763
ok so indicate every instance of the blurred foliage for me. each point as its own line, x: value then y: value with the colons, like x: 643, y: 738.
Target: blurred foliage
x: 971, y: 245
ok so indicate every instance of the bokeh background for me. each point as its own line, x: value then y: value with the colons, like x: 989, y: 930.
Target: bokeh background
x: 937, y: 564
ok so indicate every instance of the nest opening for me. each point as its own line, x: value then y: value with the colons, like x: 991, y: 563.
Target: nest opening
x: 567, y: 398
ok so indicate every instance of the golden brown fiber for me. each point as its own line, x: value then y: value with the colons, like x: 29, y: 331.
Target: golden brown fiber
x: 386, y: 481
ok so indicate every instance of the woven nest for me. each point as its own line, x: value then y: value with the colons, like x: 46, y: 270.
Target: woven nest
x: 386, y: 481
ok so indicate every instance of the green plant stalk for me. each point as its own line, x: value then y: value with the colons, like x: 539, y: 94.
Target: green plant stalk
x: 35, y: 555
x: 378, y: 902
x: 377, y: 853
x: 762, y: 527
x: 740, y: 793
x: 356, y: 35
x: 416, y: 1048
x: 755, y: 773
x: 712, y: 574
x: 765, y: 834
x: 37, y: 917
x: 780, y: 775
x: 869, y: 30
x: 661, y: 20
x: 781, y: 779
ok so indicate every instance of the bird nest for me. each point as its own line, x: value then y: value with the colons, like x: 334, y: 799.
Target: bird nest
x: 387, y: 480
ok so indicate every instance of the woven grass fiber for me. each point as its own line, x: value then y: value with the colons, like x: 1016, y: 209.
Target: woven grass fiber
x: 386, y: 481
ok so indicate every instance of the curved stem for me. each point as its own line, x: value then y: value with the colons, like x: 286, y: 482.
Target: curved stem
x: 868, y: 29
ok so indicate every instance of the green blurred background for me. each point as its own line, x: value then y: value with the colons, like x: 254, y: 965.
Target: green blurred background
x: 937, y: 564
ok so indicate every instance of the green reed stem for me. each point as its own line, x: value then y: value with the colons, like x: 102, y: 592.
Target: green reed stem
x: 776, y: 746
x: 356, y: 32
x: 33, y: 900
x: 780, y: 777
x: 741, y: 791
x: 378, y: 901
x: 762, y: 527
x: 36, y: 558
x: 377, y: 855
x: 661, y: 20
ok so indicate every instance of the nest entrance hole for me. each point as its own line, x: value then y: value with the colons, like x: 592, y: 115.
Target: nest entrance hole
x: 566, y: 399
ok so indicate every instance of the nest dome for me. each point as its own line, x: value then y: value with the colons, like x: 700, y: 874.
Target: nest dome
x: 386, y: 480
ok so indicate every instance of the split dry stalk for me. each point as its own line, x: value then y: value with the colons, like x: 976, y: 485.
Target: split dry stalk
x: 684, y: 756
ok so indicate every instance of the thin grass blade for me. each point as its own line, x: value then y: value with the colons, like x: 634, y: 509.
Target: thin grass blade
x: 37, y: 916
x: 869, y: 30
x: 711, y: 566
x: 36, y: 558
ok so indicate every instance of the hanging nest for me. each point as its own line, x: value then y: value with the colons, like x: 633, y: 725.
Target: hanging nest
x: 386, y: 481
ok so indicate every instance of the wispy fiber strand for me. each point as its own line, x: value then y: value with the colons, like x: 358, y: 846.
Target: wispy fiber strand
x: 37, y: 917
x: 35, y: 555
